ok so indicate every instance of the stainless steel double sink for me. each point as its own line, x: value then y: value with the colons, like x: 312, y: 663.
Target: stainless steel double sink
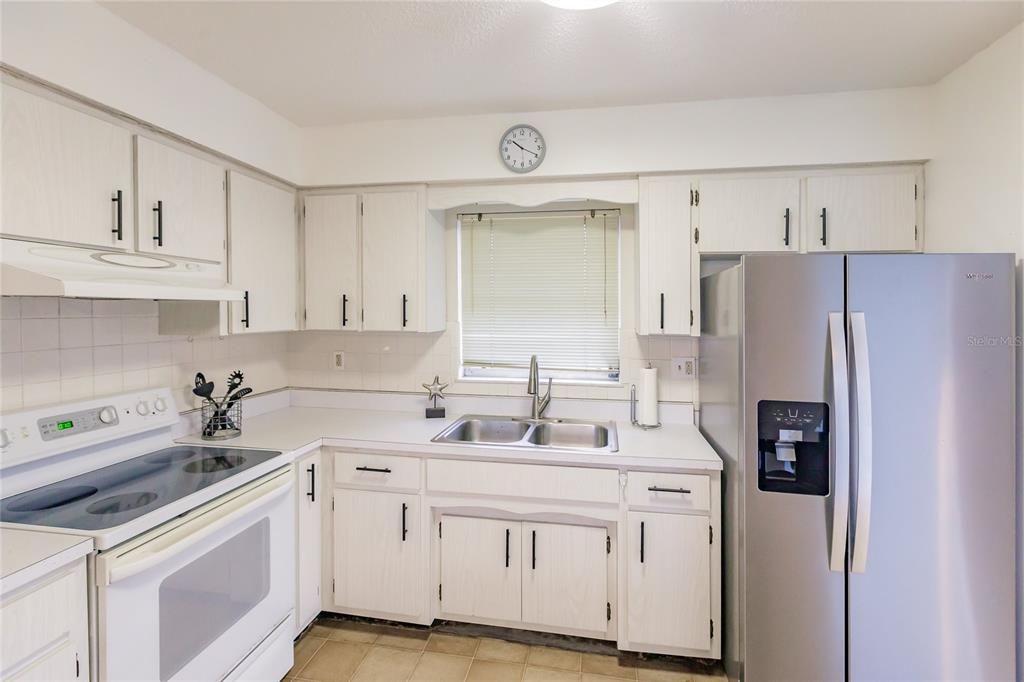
x: 522, y: 432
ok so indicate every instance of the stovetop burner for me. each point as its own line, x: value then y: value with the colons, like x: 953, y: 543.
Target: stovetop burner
x: 124, y: 491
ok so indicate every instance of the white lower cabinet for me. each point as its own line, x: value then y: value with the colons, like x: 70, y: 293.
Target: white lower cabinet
x: 668, y: 577
x: 481, y: 569
x: 378, y: 548
x: 308, y: 538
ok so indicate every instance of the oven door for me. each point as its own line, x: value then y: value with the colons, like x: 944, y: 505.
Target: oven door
x: 191, y: 599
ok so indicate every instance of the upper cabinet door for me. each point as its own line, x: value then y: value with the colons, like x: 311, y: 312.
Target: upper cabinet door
x: 264, y: 256
x: 664, y: 256
x: 744, y: 215
x: 333, y: 298
x: 393, y: 260
x: 869, y: 212
x: 181, y: 203
x: 67, y: 176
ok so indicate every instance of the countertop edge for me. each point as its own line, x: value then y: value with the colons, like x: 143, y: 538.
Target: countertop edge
x: 48, y: 564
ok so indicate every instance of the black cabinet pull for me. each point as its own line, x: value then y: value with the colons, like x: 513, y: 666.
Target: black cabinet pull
x: 657, y: 489
x: 641, y: 542
x: 824, y: 226
x: 663, y: 310
x: 245, y: 310
x: 405, y: 305
x: 533, y: 561
x: 119, y: 230
x: 159, y: 210
x: 785, y: 237
x: 374, y: 469
x: 405, y: 531
x: 344, y: 310
x: 312, y: 483
x: 508, y: 537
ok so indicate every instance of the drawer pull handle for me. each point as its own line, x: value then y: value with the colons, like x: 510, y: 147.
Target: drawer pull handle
x: 374, y: 469
x: 508, y: 537
x: 405, y: 530
x: 641, y: 542
x: 657, y: 489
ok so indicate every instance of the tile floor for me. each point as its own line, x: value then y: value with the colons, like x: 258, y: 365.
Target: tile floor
x: 339, y: 650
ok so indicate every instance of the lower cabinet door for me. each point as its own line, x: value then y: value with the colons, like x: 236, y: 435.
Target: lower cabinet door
x: 668, y: 581
x: 378, y: 552
x: 308, y: 542
x: 480, y: 569
x: 565, y: 576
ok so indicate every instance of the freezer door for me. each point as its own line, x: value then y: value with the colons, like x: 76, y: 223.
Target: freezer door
x: 931, y: 579
x: 793, y: 607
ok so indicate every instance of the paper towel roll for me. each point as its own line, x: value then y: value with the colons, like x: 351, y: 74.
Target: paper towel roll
x: 647, y: 407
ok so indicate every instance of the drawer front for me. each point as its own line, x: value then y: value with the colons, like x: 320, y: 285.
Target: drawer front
x: 523, y: 480
x: 689, y: 492
x: 366, y: 470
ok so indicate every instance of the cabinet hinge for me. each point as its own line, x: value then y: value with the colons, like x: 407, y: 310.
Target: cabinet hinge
x: 915, y: 190
x: 691, y: 317
x: 360, y: 208
x: 333, y: 590
x: 332, y: 503
x: 711, y: 535
x: 78, y: 667
x: 691, y: 196
x: 609, y: 611
x: 303, y: 210
x: 696, y: 197
x: 304, y: 313
x: 439, y: 592
x: 696, y: 235
x: 438, y: 530
x: 712, y: 629
x: 915, y: 233
x: 607, y: 544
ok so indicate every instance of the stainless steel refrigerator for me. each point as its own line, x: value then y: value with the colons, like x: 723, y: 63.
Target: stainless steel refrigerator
x: 864, y: 407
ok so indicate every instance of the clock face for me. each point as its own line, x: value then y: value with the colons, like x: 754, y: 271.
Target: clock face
x: 522, y: 148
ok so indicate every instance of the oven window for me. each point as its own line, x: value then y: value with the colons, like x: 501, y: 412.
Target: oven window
x: 202, y: 600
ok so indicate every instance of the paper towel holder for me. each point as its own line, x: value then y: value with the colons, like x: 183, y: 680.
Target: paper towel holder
x: 632, y: 412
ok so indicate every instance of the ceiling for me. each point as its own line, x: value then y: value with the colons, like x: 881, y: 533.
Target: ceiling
x: 324, y: 63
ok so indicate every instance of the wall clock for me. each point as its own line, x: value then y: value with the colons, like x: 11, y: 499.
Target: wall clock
x: 522, y: 148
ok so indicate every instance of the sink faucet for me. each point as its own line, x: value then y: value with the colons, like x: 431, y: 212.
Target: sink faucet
x: 533, y: 388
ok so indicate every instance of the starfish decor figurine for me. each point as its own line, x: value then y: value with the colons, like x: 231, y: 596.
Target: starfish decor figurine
x: 436, y: 390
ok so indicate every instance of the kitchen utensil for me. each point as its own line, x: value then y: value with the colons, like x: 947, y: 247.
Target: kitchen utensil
x: 234, y: 381
x: 220, y: 419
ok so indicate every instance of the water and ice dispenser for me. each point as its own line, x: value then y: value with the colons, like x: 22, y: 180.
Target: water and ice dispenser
x: 792, y: 447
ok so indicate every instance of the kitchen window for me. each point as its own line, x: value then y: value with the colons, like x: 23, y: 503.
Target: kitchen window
x: 543, y: 283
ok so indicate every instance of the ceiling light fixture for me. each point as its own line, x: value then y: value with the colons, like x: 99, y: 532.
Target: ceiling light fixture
x: 578, y: 4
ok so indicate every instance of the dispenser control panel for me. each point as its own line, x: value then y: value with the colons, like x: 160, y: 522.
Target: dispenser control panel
x: 793, y: 447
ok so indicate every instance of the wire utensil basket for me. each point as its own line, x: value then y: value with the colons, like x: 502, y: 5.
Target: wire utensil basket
x: 221, y: 421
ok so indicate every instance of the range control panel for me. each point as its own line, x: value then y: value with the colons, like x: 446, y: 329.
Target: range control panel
x: 64, y: 425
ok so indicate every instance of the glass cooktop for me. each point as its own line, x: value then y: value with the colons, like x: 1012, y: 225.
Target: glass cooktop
x: 121, y: 492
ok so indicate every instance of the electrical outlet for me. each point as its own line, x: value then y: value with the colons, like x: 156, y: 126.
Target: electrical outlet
x: 684, y: 368
x: 338, y: 360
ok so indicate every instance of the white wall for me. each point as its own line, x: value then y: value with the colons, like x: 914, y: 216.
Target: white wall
x: 860, y: 127
x: 84, y: 48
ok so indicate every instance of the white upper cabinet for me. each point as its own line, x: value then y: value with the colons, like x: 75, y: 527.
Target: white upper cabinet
x: 66, y: 175
x: 862, y: 212
x: 333, y: 299
x: 181, y: 203
x: 745, y: 215
x: 664, y: 256
x: 264, y: 256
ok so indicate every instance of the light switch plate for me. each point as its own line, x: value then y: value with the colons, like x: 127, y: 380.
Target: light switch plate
x: 338, y: 360
x: 684, y: 368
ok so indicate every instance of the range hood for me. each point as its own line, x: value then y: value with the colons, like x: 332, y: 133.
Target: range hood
x: 35, y: 269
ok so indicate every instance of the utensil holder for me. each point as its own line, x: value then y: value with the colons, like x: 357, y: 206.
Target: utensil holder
x: 221, y: 423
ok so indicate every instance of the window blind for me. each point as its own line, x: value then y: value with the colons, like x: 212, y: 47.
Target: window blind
x: 544, y: 283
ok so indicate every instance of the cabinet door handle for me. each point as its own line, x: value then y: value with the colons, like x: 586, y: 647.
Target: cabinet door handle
x: 159, y: 210
x: 374, y: 469
x: 658, y: 489
x: 245, y: 310
x: 785, y: 236
x: 405, y: 531
x: 641, y: 542
x: 508, y: 538
x: 663, y: 310
x: 344, y: 310
x: 405, y: 305
x: 824, y: 226
x: 312, y: 483
x: 119, y: 230
x: 533, y: 559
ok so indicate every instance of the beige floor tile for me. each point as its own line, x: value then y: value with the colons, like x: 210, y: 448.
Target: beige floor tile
x: 385, y: 664
x: 403, y: 639
x: 494, y: 671
x: 500, y: 650
x: 609, y: 666
x: 534, y: 674
x: 452, y: 644
x: 594, y: 677
x: 334, y: 662
x: 346, y: 631
x: 437, y: 667
x: 304, y: 650
x: 550, y: 657
x: 658, y: 671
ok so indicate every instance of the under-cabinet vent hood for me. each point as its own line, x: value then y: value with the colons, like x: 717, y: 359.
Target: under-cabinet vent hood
x: 35, y: 269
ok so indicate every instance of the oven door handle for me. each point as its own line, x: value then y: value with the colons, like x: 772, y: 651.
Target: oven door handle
x: 154, y: 548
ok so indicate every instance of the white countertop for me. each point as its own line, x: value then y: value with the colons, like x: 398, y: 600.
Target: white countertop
x: 26, y: 555
x: 296, y: 429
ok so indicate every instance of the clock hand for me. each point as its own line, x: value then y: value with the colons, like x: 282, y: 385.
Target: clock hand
x: 524, y: 148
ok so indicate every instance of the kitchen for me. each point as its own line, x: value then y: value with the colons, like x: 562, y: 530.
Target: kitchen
x: 462, y: 353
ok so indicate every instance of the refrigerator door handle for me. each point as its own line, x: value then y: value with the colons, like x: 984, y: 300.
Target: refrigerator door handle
x: 862, y: 384
x: 841, y: 476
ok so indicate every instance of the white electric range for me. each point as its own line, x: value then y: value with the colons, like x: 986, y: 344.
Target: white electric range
x: 194, y: 574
